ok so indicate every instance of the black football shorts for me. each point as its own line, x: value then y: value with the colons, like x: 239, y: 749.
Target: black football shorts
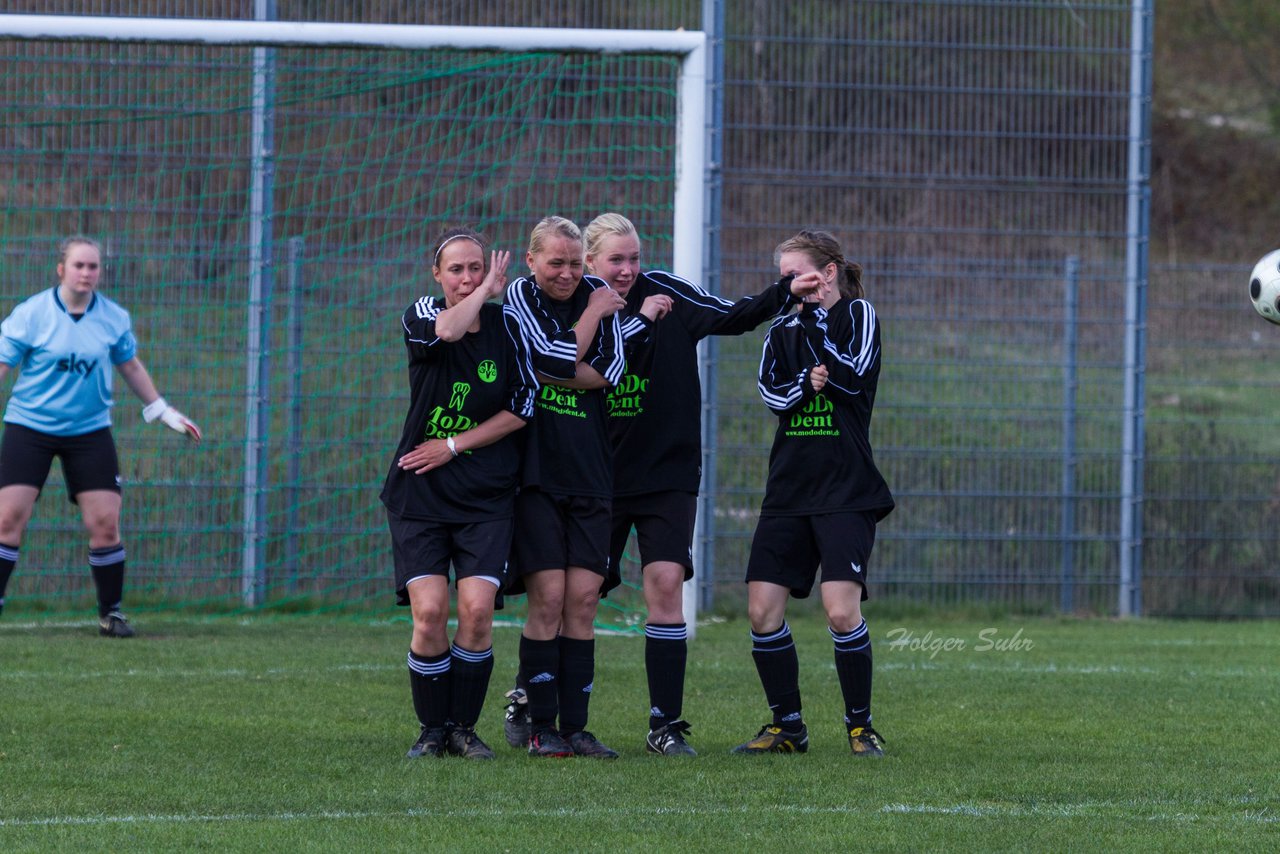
x: 788, y: 550
x: 423, y: 547
x: 89, y: 460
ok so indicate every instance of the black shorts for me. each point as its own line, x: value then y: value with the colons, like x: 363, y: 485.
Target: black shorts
x: 560, y: 531
x: 422, y: 547
x: 664, y: 530
x: 88, y: 461
x: 788, y: 550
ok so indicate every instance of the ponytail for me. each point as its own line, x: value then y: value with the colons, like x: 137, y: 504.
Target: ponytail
x: 822, y: 249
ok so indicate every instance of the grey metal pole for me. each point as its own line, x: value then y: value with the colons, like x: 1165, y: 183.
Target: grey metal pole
x: 713, y: 25
x: 1135, y: 307
x: 257, y: 369
x: 1070, y: 383
x: 293, y: 431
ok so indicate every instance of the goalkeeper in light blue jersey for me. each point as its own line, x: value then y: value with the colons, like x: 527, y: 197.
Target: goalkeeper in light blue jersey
x: 64, y: 342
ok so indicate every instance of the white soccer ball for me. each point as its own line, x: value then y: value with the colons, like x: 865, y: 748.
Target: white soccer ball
x: 1264, y: 286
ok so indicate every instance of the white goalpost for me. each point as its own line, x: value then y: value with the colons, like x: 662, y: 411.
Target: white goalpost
x: 689, y: 186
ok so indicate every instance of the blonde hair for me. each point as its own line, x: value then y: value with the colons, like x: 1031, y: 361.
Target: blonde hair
x: 552, y: 226
x: 822, y: 249
x: 607, y: 225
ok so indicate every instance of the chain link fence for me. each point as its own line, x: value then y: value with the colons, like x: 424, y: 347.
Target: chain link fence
x: 975, y: 158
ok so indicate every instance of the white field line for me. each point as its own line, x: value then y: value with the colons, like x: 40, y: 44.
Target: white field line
x: 1086, y: 670
x: 612, y: 812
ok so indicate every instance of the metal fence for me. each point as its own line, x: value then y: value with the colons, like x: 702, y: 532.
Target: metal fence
x: 1046, y: 421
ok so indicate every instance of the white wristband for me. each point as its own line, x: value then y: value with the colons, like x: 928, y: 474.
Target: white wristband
x: 154, y: 409
x: 453, y: 449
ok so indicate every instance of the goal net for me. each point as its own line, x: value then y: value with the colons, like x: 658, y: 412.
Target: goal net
x: 266, y: 205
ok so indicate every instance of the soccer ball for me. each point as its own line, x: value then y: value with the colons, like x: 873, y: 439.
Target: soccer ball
x: 1264, y: 286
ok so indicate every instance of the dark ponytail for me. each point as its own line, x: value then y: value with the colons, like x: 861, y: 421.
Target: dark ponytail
x: 822, y: 249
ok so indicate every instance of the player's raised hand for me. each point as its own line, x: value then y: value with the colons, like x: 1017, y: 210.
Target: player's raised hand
x: 656, y: 307
x: 607, y: 301
x: 809, y: 287
x: 496, y: 279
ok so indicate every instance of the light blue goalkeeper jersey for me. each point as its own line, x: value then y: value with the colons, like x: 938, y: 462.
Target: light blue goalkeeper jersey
x: 66, y: 365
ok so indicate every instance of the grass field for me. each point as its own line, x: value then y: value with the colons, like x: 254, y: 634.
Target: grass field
x: 1003, y: 732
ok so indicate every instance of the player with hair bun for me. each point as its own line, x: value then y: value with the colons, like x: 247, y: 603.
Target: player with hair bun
x: 450, y: 491
x: 561, y: 552
x: 655, y: 425
x: 64, y: 341
x: 824, y: 494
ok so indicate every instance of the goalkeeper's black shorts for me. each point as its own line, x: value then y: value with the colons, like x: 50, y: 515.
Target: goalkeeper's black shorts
x: 89, y: 460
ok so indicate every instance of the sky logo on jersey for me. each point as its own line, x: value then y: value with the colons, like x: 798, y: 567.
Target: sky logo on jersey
x: 561, y: 401
x: 625, y: 398
x: 816, y: 419
x: 487, y: 371
x: 74, y: 365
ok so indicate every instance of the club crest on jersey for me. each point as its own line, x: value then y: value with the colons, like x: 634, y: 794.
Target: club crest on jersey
x: 625, y: 398
x: 75, y: 365
x: 487, y: 371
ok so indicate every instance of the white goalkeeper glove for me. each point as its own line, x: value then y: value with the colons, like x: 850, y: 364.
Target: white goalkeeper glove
x: 172, y: 418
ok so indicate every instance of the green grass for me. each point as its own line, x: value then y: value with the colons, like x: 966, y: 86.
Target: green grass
x: 289, y: 734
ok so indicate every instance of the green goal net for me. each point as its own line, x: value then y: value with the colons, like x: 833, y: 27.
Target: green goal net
x: 265, y: 215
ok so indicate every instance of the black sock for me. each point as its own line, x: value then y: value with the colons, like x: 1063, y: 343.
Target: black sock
x: 539, y: 672
x: 853, y: 666
x: 8, y: 559
x: 429, y: 684
x: 577, y: 675
x: 666, y: 649
x: 779, y: 669
x: 107, y: 566
x: 470, y: 681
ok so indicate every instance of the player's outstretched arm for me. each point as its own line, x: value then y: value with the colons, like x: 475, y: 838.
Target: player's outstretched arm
x: 140, y: 382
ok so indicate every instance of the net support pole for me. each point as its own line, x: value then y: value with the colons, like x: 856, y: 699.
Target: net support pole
x: 1138, y: 231
x: 1070, y: 385
x: 688, y: 245
x: 698, y: 591
x: 258, y: 369
x: 293, y: 432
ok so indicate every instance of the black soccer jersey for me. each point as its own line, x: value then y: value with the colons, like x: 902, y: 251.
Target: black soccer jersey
x: 655, y: 411
x: 453, y: 386
x: 821, y: 460
x: 568, y: 450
